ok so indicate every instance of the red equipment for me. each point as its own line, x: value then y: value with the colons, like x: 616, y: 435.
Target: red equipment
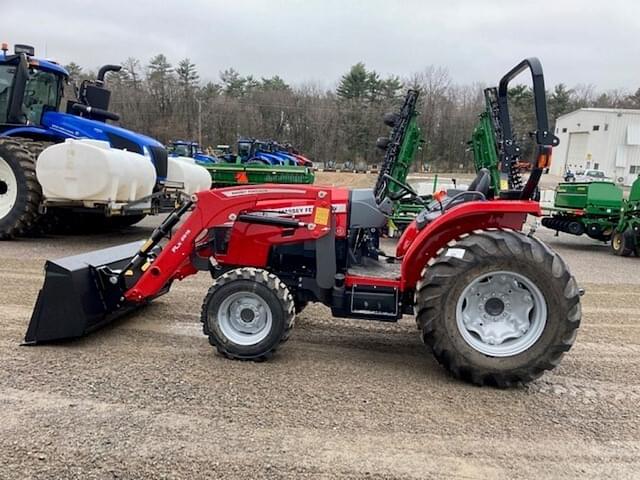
x: 496, y: 306
x: 252, y: 237
x: 302, y: 160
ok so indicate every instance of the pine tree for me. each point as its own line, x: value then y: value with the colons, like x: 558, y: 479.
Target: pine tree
x: 75, y: 70
x: 159, y: 76
x: 232, y: 83
x: 559, y: 101
x: 188, y: 81
x: 187, y: 74
x: 391, y: 87
x: 274, y: 84
x: 354, y: 85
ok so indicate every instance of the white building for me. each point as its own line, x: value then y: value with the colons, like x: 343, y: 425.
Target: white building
x: 601, y: 138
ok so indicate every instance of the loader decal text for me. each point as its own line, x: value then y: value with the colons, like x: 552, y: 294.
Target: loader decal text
x: 178, y: 245
x: 305, y: 210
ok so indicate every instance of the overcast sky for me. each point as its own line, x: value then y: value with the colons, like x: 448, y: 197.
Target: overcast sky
x: 587, y: 42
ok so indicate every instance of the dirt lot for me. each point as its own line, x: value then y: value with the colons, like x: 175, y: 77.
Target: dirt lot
x: 149, y: 398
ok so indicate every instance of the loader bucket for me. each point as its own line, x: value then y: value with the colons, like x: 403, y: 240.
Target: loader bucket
x: 74, y: 300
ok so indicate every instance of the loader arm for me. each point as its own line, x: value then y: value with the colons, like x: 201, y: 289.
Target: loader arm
x: 233, y: 208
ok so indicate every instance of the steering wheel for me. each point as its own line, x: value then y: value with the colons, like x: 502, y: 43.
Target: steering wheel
x: 407, y: 189
x: 30, y: 98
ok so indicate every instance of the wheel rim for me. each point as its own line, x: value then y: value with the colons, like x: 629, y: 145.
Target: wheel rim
x: 501, y: 314
x: 616, y: 241
x: 8, y: 188
x: 245, y: 318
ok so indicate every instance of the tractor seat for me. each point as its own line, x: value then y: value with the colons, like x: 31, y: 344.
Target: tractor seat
x: 478, y: 190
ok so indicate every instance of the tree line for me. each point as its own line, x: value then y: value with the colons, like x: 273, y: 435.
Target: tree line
x: 337, y: 125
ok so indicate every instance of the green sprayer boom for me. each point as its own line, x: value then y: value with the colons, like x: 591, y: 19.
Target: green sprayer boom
x: 486, y: 139
x: 400, y: 146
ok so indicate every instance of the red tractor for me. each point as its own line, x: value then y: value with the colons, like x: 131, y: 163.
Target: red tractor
x: 495, y: 305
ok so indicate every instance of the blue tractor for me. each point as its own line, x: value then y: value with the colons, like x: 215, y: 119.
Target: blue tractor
x: 183, y: 148
x: 48, y: 158
x: 257, y: 152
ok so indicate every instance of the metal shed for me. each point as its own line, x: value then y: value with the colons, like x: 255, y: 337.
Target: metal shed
x: 606, y: 139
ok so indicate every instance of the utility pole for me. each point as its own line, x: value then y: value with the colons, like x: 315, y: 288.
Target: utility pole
x: 199, y: 122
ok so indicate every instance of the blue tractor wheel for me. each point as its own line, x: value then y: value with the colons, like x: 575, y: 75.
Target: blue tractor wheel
x: 20, y: 192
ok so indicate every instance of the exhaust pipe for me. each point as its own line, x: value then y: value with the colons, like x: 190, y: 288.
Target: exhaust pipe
x: 79, y: 295
x: 103, y: 71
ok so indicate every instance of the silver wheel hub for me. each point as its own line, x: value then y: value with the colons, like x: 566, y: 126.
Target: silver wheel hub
x: 501, y: 314
x: 8, y: 188
x: 245, y: 318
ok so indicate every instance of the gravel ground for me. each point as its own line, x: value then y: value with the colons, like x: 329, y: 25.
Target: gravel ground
x: 149, y: 398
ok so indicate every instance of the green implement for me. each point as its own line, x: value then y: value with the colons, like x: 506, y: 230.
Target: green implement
x: 484, y: 140
x: 596, y: 209
x: 410, y: 144
x: 229, y: 174
x: 401, y: 146
x: 585, y: 208
x: 626, y: 235
x: 592, y: 198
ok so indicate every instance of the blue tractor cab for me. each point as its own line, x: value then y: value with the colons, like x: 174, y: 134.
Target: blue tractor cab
x: 31, y: 91
x: 182, y: 148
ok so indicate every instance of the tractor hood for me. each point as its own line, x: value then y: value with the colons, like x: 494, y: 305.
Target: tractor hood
x: 72, y: 126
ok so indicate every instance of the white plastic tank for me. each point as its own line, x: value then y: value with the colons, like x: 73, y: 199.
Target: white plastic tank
x: 91, y: 170
x: 186, y: 172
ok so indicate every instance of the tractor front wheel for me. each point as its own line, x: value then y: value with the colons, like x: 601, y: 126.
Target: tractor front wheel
x: 247, y: 314
x: 498, y: 308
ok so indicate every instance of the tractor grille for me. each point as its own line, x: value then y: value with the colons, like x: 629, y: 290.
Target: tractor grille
x: 160, y: 161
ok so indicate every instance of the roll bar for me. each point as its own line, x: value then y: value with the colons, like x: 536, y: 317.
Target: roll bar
x: 545, y: 139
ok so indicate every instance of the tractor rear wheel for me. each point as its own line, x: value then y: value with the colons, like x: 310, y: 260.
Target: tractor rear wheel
x: 20, y: 192
x: 247, y: 314
x: 623, y: 243
x: 498, y: 308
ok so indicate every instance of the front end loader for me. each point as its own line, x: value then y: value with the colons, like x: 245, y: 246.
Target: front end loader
x: 494, y: 305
